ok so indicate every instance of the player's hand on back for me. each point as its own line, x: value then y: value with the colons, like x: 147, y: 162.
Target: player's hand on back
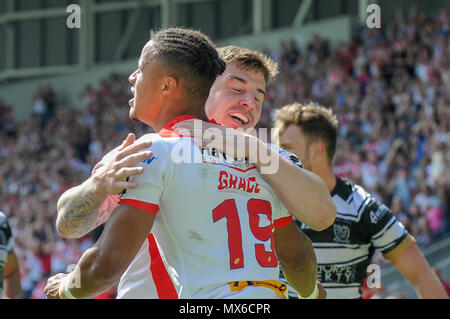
x: 110, y: 174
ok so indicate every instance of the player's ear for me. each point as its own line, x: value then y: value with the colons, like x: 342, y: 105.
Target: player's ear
x: 318, y: 149
x: 169, y: 85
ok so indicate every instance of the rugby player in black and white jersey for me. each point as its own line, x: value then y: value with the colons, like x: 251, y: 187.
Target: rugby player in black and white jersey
x: 10, y: 286
x: 362, y: 223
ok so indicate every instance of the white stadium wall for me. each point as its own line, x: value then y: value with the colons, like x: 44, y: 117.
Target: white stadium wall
x: 68, y: 86
x: 336, y: 30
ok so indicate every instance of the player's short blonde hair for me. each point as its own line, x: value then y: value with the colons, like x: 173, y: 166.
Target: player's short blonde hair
x: 250, y: 60
x: 316, y: 122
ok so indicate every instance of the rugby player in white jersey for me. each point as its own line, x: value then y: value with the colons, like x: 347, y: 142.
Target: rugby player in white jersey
x: 362, y: 224
x: 155, y: 196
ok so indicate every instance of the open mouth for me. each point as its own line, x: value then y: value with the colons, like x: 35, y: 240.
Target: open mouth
x: 133, y: 90
x: 241, y: 118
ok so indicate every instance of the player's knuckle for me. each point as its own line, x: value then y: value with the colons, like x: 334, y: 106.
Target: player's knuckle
x: 120, y: 172
x: 116, y: 166
x: 118, y: 156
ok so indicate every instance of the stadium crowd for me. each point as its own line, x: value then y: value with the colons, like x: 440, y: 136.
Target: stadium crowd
x: 390, y: 89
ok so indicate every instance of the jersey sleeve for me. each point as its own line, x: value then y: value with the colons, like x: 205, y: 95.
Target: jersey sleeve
x: 385, y: 230
x: 287, y: 155
x: 146, y: 196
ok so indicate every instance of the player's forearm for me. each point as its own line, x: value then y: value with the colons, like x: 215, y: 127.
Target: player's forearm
x: 301, y: 273
x: 78, y: 210
x: 303, y: 193
x: 95, y: 273
x: 101, y: 266
x: 428, y: 286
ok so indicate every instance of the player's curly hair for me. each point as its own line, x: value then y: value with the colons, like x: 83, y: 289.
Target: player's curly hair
x: 250, y: 60
x: 316, y: 122
x: 191, y: 56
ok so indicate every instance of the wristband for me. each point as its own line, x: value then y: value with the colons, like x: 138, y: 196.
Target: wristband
x: 314, y: 294
x: 67, y: 293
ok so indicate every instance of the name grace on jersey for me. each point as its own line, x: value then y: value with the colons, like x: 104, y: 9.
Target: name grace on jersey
x: 228, y: 180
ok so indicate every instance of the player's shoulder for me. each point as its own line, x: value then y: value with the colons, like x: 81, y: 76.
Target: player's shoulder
x: 368, y: 205
x: 361, y: 196
x: 150, y: 137
x: 158, y: 142
x: 344, y: 189
x: 171, y: 149
x: 351, y: 199
x: 156, y: 138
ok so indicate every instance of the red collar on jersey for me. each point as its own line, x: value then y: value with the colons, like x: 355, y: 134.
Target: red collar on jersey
x: 167, y: 130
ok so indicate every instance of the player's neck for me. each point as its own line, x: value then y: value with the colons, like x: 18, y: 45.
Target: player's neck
x: 176, y: 110
x: 325, y: 172
x: 330, y: 180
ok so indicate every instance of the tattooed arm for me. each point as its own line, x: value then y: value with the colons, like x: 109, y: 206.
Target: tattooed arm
x: 78, y: 210
x: 84, y: 207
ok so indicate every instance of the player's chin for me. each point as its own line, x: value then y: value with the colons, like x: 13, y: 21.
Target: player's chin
x: 131, y: 113
x: 235, y: 124
x: 243, y: 127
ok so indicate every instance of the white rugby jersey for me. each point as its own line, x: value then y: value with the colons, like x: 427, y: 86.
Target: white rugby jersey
x: 213, y: 225
x: 344, y: 249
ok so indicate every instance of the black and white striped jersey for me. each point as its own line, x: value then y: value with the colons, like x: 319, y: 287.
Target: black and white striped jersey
x: 344, y: 249
x: 6, y: 246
